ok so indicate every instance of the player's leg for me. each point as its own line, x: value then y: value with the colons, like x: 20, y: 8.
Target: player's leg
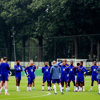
x: 77, y: 82
x: 58, y: 81
x: 54, y: 86
x: 99, y: 86
x: 31, y: 80
x: 81, y: 81
x: 73, y: 79
x: 83, y: 85
x: 43, y: 84
x: 69, y: 80
x: 6, y: 84
x: 48, y: 82
x: 1, y: 86
x: 17, y: 83
x: 28, y: 83
x: 65, y: 80
x: 62, y: 82
x: 79, y: 85
x: 34, y: 82
x: 92, y: 82
x: 63, y: 85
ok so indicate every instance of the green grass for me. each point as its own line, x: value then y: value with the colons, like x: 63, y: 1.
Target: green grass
x: 39, y: 95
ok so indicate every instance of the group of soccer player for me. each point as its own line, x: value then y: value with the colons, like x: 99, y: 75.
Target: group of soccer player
x: 64, y: 73
x: 52, y: 73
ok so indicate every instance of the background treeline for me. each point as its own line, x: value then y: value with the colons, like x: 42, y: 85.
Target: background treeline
x: 34, y: 21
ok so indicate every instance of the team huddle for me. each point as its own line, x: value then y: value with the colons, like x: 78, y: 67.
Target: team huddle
x: 53, y: 73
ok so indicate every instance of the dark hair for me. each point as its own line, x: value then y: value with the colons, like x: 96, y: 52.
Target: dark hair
x: 81, y: 62
x: 49, y: 63
x: 4, y: 58
x: 78, y: 64
x: 17, y: 60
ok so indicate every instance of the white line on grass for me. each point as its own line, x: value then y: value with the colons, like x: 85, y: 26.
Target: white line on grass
x: 28, y: 97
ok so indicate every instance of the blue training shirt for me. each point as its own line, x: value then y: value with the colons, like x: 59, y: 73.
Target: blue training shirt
x: 71, y: 70
x: 46, y: 70
x: 98, y: 75
x: 94, y: 70
x: 18, y: 70
x: 80, y: 73
x: 31, y: 70
x: 4, y: 69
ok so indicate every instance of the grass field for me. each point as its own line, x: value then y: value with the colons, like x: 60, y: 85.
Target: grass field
x: 46, y: 95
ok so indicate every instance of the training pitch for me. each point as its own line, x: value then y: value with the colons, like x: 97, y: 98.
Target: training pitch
x: 48, y: 95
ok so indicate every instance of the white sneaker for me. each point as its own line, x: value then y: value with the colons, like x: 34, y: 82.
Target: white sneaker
x: 18, y: 90
x: 83, y: 90
x: 90, y: 90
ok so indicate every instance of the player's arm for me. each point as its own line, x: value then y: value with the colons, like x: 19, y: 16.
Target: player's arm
x: 83, y: 70
x: 74, y: 70
x: 77, y: 69
x: 21, y: 69
x: 59, y: 70
x: 67, y: 69
x: 98, y: 70
x: 26, y: 69
x: 51, y: 70
x: 43, y: 69
x: 59, y: 64
x: 86, y: 71
x: 8, y: 67
x: 16, y: 69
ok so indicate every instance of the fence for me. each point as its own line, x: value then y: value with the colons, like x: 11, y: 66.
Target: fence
x: 79, y: 47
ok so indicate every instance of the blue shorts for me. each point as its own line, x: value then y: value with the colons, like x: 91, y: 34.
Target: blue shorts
x: 0, y: 78
x: 46, y: 78
x: 30, y: 79
x: 94, y: 78
x: 18, y: 77
x: 71, y: 78
x: 56, y: 81
x: 80, y: 79
x: 4, y: 78
x: 64, y: 78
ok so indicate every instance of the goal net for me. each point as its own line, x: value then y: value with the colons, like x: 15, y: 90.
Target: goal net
x: 75, y: 61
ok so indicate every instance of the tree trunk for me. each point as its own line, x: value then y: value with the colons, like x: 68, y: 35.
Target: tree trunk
x: 10, y: 48
x: 72, y: 50
x: 40, y: 48
x: 91, y: 51
x: 23, y: 48
x: 76, y: 47
x: 29, y: 46
x: 98, y: 51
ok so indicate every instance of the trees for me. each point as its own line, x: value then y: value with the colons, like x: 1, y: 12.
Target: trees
x: 49, y: 18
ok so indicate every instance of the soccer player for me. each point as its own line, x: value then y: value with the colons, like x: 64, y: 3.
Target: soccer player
x: 0, y: 69
x: 84, y: 81
x: 80, y: 76
x: 98, y: 78
x: 46, y: 76
x: 30, y: 70
x: 55, y: 70
x: 67, y: 73
x: 18, y: 69
x: 72, y: 71
x: 64, y: 71
x: 50, y: 65
x: 4, y: 74
x: 94, y: 74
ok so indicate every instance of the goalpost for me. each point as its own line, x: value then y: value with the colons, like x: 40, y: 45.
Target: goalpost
x: 75, y: 61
